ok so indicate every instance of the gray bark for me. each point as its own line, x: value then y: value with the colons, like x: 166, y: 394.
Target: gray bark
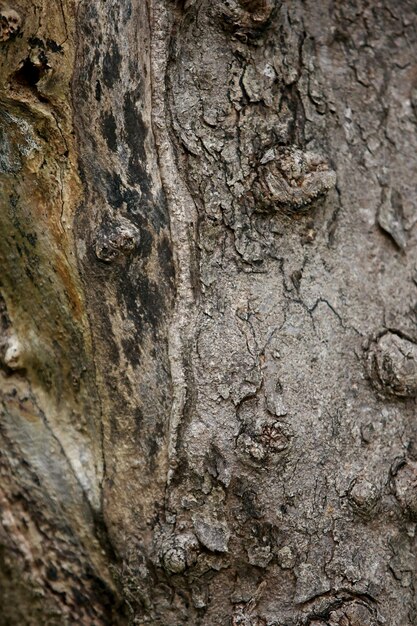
x: 208, y: 312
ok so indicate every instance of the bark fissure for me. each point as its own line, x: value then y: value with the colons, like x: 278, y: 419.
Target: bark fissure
x: 182, y: 220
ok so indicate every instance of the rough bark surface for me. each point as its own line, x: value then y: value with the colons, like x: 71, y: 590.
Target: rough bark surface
x: 208, y: 312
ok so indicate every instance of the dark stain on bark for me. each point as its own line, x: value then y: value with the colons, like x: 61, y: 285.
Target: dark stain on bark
x: 111, y: 65
x: 143, y: 300
x: 146, y: 241
x: 114, y: 187
x: 135, y: 136
x: 98, y: 91
x: 110, y: 130
x: 166, y: 260
x: 130, y: 348
x: 136, y: 130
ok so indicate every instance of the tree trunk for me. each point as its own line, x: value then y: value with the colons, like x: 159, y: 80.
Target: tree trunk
x: 208, y: 312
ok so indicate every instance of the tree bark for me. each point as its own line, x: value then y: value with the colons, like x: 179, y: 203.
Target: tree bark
x: 208, y: 312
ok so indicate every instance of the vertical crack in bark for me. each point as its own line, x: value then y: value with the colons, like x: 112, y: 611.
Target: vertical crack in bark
x: 183, y: 220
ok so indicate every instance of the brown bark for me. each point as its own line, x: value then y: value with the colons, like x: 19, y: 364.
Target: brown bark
x: 208, y: 312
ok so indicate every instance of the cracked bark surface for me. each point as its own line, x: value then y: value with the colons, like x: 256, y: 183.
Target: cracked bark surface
x: 208, y: 312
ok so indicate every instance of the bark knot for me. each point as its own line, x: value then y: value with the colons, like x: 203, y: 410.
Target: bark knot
x: 392, y: 365
x: 405, y: 486
x: 246, y: 18
x: 115, y: 240
x: 10, y: 24
x: 179, y: 552
x: 363, y: 496
x: 290, y: 180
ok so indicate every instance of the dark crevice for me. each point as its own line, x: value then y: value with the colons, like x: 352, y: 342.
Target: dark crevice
x: 29, y: 75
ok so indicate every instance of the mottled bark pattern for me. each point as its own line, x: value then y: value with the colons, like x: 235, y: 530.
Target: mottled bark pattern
x: 55, y: 568
x: 294, y: 127
x: 208, y: 312
x: 126, y: 263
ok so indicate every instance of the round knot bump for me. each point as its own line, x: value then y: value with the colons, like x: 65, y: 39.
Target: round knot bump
x: 350, y: 613
x: 405, y: 487
x: 393, y: 365
x: 266, y: 441
x: 246, y: 18
x: 10, y: 24
x: 291, y: 180
x: 115, y: 240
x: 179, y: 552
x: 363, y: 496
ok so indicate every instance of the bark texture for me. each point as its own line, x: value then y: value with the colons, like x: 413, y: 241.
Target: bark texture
x: 208, y: 312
